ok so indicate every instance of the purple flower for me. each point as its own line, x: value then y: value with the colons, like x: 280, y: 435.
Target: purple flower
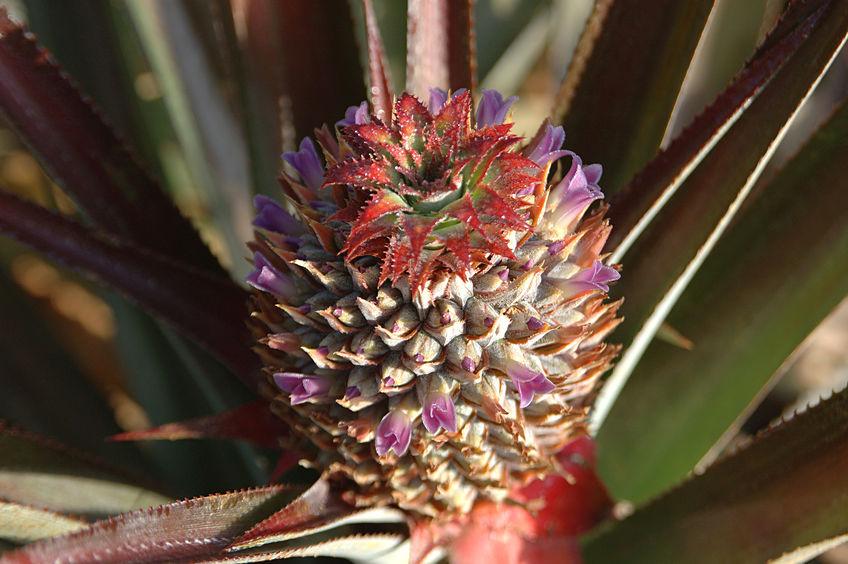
x: 528, y: 382
x: 355, y: 115
x: 438, y: 99
x: 267, y: 278
x: 439, y: 413
x: 573, y: 195
x: 270, y: 215
x: 393, y: 433
x: 596, y: 277
x: 307, y: 163
x: 548, y: 147
x: 302, y: 387
x: 492, y: 109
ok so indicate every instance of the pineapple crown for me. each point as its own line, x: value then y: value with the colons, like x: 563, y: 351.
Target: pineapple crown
x: 434, y: 188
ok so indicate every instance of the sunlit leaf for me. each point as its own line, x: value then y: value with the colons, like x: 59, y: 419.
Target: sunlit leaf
x: 623, y: 81
x: 788, y: 489
x: 192, y: 528
x: 181, y: 296
x: 319, y: 508
x: 371, y: 548
x: 658, y: 267
x: 83, y: 155
x: 380, y: 85
x: 440, y: 49
x: 203, y: 118
x: 24, y: 523
x: 777, y: 273
x: 42, y: 473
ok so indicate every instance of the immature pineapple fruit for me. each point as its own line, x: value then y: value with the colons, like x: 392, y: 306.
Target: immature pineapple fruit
x: 432, y: 317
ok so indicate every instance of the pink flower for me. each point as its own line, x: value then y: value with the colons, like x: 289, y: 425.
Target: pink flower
x: 439, y: 413
x: 393, y: 433
x: 302, y: 387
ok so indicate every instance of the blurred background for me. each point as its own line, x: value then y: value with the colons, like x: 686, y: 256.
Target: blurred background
x: 177, y: 79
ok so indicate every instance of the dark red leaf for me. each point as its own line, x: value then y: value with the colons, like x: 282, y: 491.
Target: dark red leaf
x: 251, y: 422
x: 187, y: 529
x: 318, y: 505
x: 660, y: 178
x: 411, y: 119
x: 317, y: 51
x: 207, y: 309
x: 624, y: 79
x: 84, y: 155
x: 382, y: 95
x: 440, y: 45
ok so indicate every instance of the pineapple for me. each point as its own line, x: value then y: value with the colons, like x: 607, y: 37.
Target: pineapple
x: 432, y: 315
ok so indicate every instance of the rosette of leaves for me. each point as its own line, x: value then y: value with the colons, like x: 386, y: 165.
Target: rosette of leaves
x: 427, y: 317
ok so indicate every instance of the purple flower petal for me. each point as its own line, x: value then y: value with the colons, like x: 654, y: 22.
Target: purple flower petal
x: 468, y: 364
x: 352, y: 392
x: 439, y: 413
x: 438, y: 99
x: 302, y: 387
x: 355, y: 115
x: 307, y: 163
x: 573, y: 195
x: 528, y: 382
x: 267, y: 278
x: 493, y: 109
x: 596, y: 277
x: 394, y: 432
x: 270, y: 215
x: 534, y: 324
x: 548, y: 147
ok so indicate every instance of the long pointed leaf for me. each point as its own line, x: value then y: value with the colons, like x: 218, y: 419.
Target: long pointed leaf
x: 787, y: 490
x: 252, y: 422
x: 84, y: 156
x: 209, y: 310
x: 637, y: 204
x: 203, y: 119
x: 380, y: 85
x: 192, y: 528
x: 624, y: 79
x: 778, y: 272
x: 40, y: 472
x: 663, y: 261
x: 374, y: 548
x: 319, y: 508
x: 24, y: 523
x: 440, y: 49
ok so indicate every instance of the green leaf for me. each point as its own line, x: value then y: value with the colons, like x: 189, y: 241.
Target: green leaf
x: 23, y: 523
x: 777, y: 273
x: 187, y: 529
x: 787, y: 490
x: 624, y: 79
x: 664, y: 259
x: 203, y: 116
x: 40, y: 472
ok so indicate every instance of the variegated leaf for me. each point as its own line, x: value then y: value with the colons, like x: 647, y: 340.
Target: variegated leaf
x: 785, y: 493
x: 778, y: 272
x: 624, y: 79
x: 25, y: 523
x: 658, y: 268
x: 42, y: 473
x: 188, y: 529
